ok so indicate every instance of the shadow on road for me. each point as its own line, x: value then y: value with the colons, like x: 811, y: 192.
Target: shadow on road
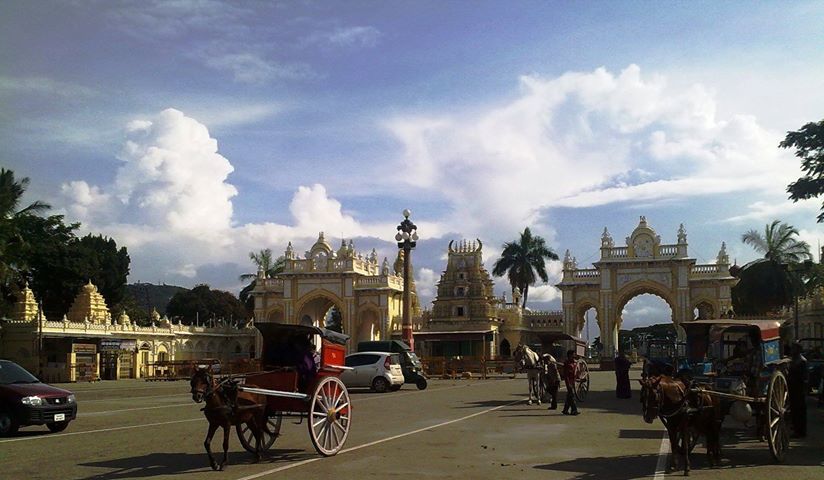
x: 177, y: 463
x: 615, y: 468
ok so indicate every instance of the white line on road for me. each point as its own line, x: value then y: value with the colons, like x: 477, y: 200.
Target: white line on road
x: 58, y: 435
x: 94, y: 414
x: 661, y: 466
x: 383, y: 440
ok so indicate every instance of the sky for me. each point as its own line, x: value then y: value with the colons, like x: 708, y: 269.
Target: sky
x: 195, y: 132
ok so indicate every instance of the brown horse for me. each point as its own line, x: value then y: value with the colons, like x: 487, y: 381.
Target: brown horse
x: 226, y: 406
x: 685, y: 414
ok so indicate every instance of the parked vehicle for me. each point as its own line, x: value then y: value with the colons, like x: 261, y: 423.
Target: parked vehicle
x: 410, y: 363
x: 814, y: 352
x: 25, y: 400
x: 380, y: 371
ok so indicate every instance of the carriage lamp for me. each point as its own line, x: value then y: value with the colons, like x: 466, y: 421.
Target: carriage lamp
x: 407, y: 238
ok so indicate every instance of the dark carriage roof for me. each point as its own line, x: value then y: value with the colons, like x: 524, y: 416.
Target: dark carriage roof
x: 768, y: 327
x: 272, y: 331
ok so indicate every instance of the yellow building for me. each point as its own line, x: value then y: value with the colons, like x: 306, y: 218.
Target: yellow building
x: 88, y: 344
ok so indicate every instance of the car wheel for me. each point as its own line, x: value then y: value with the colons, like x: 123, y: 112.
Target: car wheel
x: 8, y: 425
x: 380, y: 385
x: 421, y: 383
x: 57, y: 426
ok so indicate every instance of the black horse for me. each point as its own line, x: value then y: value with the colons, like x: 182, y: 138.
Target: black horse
x: 225, y: 407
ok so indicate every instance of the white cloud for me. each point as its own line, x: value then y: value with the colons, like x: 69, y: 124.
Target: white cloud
x: 253, y: 68
x: 357, y: 36
x: 581, y: 140
x: 543, y: 293
x: 426, y: 281
x: 768, y: 211
x: 44, y: 86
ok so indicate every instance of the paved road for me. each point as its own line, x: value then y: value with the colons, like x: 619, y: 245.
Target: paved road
x: 455, y: 429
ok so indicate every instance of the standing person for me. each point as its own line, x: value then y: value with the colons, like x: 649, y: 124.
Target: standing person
x: 797, y: 386
x: 570, y: 408
x: 623, y: 389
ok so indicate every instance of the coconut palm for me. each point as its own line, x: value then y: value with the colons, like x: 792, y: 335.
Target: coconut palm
x: 778, y: 243
x: 11, y: 192
x: 263, y: 260
x: 523, y: 262
x: 771, y: 282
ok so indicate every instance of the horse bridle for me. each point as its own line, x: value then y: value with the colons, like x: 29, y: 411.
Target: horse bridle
x: 682, y: 406
x: 210, y: 387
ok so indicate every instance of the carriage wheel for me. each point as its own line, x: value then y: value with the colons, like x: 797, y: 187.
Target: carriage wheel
x: 330, y: 415
x: 270, y: 434
x: 777, y: 435
x: 582, y: 381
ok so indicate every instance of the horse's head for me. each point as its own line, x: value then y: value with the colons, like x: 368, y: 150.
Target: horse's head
x: 650, y: 397
x: 519, y: 357
x: 202, y: 385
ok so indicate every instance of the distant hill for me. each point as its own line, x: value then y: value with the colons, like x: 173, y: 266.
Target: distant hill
x: 148, y: 295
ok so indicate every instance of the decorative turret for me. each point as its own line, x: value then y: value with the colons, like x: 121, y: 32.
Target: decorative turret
x: 90, y: 306
x: 516, y: 296
x: 25, y: 308
x: 373, y: 257
x: 154, y: 316
x: 385, y: 267
x: 682, y: 235
x: 290, y: 252
x: 124, y: 319
x: 606, y: 239
x: 723, y: 258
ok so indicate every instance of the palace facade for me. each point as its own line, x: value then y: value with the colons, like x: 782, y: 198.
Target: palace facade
x: 88, y: 343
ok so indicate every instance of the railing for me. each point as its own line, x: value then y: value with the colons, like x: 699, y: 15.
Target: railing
x: 389, y: 281
x: 668, y: 250
x: 586, y: 273
x: 469, y: 367
x: 617, y: 252
x: 704, y: 269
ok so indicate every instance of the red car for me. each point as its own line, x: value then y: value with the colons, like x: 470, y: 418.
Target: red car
x: 25, y: 400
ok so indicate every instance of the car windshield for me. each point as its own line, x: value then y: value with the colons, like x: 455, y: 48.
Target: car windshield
x: 414, y: 358
x: 11, y: 372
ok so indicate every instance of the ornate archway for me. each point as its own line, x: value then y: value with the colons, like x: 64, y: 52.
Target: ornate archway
x: 644, y: 265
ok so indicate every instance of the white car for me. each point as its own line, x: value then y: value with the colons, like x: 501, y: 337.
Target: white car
x: 380, y: 371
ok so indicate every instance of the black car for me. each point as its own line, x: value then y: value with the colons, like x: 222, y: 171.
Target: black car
x: 25, y: 400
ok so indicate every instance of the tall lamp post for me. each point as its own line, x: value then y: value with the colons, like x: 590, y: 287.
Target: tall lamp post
x: 407, y: 238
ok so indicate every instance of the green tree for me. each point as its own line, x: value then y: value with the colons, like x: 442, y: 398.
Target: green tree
x: 809, y: 147
x: 11, y: 194
x: 205, y: 304
x: 263, y: 261
x: 99, y: 260
x: 524, y: 261
x: 773, y: 281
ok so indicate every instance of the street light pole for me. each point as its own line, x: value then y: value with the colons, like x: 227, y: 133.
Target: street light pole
x: 407, y: 238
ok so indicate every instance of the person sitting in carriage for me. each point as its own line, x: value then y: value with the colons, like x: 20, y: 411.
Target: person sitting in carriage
x: 741, y: 359
x: 299, y: 352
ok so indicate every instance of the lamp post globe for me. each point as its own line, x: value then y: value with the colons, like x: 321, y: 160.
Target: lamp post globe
x: 407, y: 238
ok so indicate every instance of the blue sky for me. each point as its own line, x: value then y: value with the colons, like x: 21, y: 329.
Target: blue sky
x: 196, y: 131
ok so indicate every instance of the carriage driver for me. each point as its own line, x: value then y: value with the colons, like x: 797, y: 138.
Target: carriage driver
x: 741, y: 359
x: 570, y: 408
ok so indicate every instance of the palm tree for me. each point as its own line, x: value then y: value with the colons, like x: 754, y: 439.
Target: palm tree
x: 523, y: 262
x: 773, y: 281
x: 778, y: 243
x: 11, y: 192
x: 263, y: 260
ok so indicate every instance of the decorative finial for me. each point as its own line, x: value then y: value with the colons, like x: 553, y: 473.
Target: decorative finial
x: 406, y: 213
x: 682, y: 234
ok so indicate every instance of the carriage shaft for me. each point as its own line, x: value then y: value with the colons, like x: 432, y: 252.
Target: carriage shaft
x: 274, y: 393
x: 729, y: 396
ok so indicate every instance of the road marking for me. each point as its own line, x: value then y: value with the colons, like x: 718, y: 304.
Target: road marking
x: 58, y: 435
x: 120, y: 399
x: 93, y: 414
x: 376, y: 442
x: 663, y: 452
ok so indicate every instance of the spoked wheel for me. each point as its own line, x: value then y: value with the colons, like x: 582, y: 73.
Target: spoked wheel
x: 777, y: 435
x: 330, y: 415
x: 582, y: 381
x: 270, y: 433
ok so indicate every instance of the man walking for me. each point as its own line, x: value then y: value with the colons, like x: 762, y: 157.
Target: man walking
x: 797, y: 386
x: 570, y: 408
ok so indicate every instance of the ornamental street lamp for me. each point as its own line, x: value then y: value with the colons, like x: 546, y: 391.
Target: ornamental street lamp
x: 407, y: 238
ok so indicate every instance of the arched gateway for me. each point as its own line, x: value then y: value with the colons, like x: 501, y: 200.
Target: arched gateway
x: 644, y: 265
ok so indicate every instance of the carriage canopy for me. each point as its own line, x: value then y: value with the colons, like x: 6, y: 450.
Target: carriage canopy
x: 763, y: 334
x: 568, y: 341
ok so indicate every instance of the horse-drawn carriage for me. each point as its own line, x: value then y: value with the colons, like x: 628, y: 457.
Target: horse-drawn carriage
x: 301, y: 365
x: 662, y: 356
x: 739, y: 362
x: 557, y: 344
x: 813, y: 349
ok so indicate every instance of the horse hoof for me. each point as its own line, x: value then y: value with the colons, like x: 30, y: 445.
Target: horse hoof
x: 222, y: 467
x: 529, y: 402
x: 214, y: 466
